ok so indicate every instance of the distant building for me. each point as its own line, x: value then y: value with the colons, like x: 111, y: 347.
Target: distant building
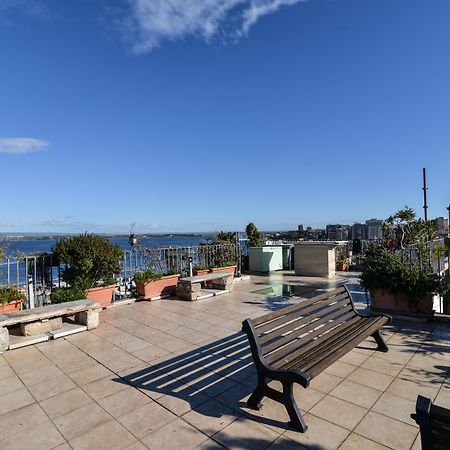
x: 359, y: 231
x: 441, y: 226
x: 314, y: 234
x: 337, y: 232
x: 374, y: 229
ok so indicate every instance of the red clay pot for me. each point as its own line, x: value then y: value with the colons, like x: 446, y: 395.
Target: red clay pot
x: 228, y: 269
x: 101, y: 294
x: 384, y: 300
x: 11, y: 307
x: 165, y: 286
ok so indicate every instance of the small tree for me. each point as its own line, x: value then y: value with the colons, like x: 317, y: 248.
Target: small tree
x: 90, y: 258
x: 254, y: 236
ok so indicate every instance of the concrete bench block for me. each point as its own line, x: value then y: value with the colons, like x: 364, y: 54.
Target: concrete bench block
x: 89, y: 318
x: 40, y: 326
x: 4, y: 339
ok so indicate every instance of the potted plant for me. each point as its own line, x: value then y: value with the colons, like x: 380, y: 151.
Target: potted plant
x: 91, y: 261
x: 342, y: 260
x: 200, y: 270
x: 10, y: 300
x: 150, y: 284
x: 226, y: 266
x: 398, y: 273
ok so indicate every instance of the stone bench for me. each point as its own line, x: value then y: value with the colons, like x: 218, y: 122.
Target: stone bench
x: 46, y: 319
x: 189, y: 288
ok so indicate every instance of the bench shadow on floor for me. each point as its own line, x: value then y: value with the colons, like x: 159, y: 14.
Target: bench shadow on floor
x: 222, y: 370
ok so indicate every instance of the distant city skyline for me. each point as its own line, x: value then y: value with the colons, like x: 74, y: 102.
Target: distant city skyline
x: 277, y: 112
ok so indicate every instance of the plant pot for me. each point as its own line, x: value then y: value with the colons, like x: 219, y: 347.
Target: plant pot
x: 101, y: 294
x: 384, y: 300
x: 11, y: 307
x: 165, y: 286
x: 228, y: 269
x: 200, y: 271
x: 341, y: 267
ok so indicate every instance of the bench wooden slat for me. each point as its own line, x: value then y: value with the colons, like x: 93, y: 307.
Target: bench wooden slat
x: 282, y: 312
x: 301, y: 314
x: 322, y: 323
x: 280, y: 360
x: 341, y: 347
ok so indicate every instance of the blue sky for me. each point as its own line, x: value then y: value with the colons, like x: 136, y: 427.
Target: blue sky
x: 214, y: 113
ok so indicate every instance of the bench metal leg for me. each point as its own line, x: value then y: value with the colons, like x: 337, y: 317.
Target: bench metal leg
x: 254, y: 400
x: 289, y: 402
x: 382, y: 346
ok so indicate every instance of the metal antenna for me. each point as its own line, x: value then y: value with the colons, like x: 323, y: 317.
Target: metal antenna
x: 425, y: 206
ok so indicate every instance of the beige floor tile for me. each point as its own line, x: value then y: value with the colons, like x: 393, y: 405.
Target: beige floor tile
x: 394, y: 434
x: 44, y: 374
x: 236, y: 397
x: 174, y: 435
x: 340, y: 369
x: 65, y: 402
x: 122, y: 363
x: 370, y: 378
x: 283, y: 443
x: 209, y: 444
x: 410, y: 390
x: 41, y: 437
x: 150, y: 353
x: 89, y: 374
x: 10, y: 384
x: 396, y: 407
x: 15, y: 400
x: 355, y: 358
x: 307, y: 398
x: 124, y: 401
x: 182, y: 403
x: 339, y: 412
x: 211, y: 417
x: 20, y: 420
x: 6, y: 371
x: 325, y: 382
x: 53, y: 386
x: 110, y: 435
x: 81, y: 420
x: 246, y: 433
x: 443, y: 398
x: 105, y: 386
x: 357, y: 442
x: 356, y: 393
x: 146, y: 419
x: 320, y: 434
x: 387, y: 367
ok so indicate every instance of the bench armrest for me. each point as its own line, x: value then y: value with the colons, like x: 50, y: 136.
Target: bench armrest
x: 261, y: 364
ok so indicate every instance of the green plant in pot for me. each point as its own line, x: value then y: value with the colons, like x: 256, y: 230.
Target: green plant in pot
x: 10, y: 298
x: 342, y: 260
x: 397, y: 281
x: 151, y: 284
x: 91, y: 262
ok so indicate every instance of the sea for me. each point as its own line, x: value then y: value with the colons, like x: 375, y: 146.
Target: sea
x: 33, y: 246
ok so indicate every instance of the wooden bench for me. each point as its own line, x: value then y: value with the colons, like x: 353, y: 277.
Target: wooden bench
x: 46, y: 319
x: 189, y: 288
x: 434, y: 423
x: 296, y: 343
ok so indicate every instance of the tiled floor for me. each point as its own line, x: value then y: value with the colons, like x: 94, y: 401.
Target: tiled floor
x: 176, y: 375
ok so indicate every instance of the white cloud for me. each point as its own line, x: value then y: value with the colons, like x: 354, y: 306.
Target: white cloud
x: 152, y: 21
x: 20, y: 146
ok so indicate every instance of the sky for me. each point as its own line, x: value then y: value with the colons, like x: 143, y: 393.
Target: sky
x: 203, y: 115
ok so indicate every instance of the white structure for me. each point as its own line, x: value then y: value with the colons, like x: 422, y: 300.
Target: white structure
x: 316, y: 258
x: 265, y: 259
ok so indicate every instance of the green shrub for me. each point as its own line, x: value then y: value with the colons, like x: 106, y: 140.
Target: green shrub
x: 147, y: 275
x: 9, y: 295
x: 90, y: 259
x: 67, y: 294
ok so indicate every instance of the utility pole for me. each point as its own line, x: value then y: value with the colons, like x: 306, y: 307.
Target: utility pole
x: 425, y: 205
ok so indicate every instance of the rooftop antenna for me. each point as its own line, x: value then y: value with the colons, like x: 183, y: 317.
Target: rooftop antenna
x: 425, y: 205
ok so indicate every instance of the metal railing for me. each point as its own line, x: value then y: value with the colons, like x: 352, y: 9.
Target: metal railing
x: 37, y: 275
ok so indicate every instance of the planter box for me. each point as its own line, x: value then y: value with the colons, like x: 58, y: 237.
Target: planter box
x: 228, y: 269
x: 11, y: 307
x: 102, y: 294
x: 165, y: 286
x: 342, y: 267
x: 200, y: 271
x: 383, y: 300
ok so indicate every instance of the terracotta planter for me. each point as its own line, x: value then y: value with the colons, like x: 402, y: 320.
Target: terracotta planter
x: 228, y: 269
x: 165, y: 286
x: 102, y: 294
x: 384, y: 300
x: 200, y: 271
x: 341, y: 267
x: 11, y: 307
